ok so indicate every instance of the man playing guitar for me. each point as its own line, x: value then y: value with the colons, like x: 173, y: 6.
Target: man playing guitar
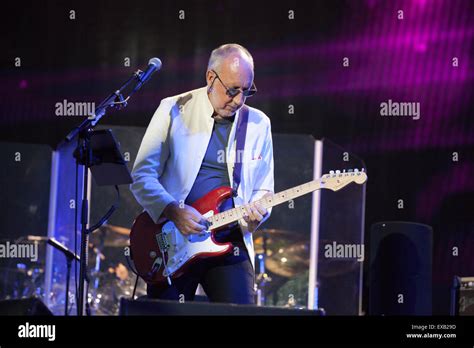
x: 199, y: 141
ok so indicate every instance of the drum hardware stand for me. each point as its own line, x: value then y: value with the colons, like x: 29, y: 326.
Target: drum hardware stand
x: 69, y: 257
x: 262, y: 277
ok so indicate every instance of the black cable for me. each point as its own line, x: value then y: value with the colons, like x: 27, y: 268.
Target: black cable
x: 130, y: 266
x: 135, y: 287
x: 127, y: 257
x: 108, y: 214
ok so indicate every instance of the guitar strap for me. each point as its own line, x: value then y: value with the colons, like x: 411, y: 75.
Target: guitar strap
x: 240, y: 134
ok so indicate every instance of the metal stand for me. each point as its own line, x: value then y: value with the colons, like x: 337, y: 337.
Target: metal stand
x: 84, y: 156
x: 262, y: 277
x: 85, y: 149
x: 68, y: 276
x: 69, y: 257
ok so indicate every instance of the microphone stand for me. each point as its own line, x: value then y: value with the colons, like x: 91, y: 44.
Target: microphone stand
x: 69, y: 257
x: 83, y: 156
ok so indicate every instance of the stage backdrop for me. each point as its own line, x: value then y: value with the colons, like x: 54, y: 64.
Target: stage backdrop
x: 337, y: 69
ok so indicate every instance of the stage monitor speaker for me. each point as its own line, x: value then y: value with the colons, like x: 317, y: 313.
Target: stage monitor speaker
x: 165, y: 307
x: 462, y: 299
x: 400, y: 269
x: 27, y: 306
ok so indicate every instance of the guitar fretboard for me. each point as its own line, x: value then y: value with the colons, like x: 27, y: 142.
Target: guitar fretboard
x: 235, y: 214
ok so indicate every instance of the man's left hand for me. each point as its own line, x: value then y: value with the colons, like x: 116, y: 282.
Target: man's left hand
x: 255, y: 213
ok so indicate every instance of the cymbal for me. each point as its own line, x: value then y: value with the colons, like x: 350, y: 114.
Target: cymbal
x: 111, y: 236
x: 28, y: 238
x: 272, y: 236
x: 276, y: 232
x: 289, y: 260
x: 37, y: 238
x: 287, y: 253
x: 115, y: 229
x: 114, y: 243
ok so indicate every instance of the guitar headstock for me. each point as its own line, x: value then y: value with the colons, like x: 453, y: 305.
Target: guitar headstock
x: 336, y: 180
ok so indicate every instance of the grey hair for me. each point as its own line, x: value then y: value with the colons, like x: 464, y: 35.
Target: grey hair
x: 222, y: 52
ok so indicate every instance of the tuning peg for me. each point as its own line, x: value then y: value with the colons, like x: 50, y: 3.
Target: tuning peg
x: 363, y: 169
x: 344, y: 171
x: 338, y: 172
x: 356, y: 170
x: 331, y: 172
x: 350, y: 170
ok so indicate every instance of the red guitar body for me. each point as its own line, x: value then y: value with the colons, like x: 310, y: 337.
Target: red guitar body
x: 160, y: 251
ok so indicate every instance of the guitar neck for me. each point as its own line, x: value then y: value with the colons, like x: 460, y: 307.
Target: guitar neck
x: 235, y: 214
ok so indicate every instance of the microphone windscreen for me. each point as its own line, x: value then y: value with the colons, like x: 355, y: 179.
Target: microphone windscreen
x: 156, y: 62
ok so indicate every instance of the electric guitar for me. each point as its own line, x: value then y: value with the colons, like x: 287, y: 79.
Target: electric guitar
x: 161, y: 252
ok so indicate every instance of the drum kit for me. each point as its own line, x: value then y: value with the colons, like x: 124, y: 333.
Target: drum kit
x: 22, y: 278
x: 109, y: 277
x: 282, y: 267
x: 281, y: 257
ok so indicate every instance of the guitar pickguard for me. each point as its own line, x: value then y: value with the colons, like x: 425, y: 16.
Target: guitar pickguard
x: 181, y: 248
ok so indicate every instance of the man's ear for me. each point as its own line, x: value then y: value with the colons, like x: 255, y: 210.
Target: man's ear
x: 209, y: 78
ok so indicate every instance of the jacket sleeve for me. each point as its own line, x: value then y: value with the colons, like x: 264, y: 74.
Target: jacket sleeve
x: 151, y: 160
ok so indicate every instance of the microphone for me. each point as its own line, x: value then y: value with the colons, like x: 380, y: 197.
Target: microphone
x: 154, y: 64
x: 62, y: 248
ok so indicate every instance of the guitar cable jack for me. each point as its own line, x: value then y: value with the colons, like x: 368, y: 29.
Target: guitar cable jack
x: 165, y: 263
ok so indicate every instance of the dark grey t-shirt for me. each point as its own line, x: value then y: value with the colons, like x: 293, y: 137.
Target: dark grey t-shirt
x: 213, y: 171
x: 213, y: 174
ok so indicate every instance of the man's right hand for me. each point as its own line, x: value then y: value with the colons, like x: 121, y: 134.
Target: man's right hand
x: 187, y: 219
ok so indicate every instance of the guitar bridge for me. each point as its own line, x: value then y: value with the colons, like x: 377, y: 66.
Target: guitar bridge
x: 162, y: 242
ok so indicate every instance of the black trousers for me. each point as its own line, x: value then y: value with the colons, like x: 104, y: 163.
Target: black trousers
x: 229, y: 278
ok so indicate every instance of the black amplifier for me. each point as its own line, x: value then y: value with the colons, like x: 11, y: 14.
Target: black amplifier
x: 462, y: 298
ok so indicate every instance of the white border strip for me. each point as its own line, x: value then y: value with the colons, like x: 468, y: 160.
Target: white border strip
x: 53, y: 195
x: 362, y: 235
x: 314, y: 246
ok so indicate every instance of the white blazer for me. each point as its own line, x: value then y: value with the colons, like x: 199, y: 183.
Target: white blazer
x: 173, y: 148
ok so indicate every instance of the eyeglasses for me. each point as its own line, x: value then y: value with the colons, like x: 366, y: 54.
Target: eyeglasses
x: 233, y: 92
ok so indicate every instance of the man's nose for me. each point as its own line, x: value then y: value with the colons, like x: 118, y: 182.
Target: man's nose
x: 239, y: 99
